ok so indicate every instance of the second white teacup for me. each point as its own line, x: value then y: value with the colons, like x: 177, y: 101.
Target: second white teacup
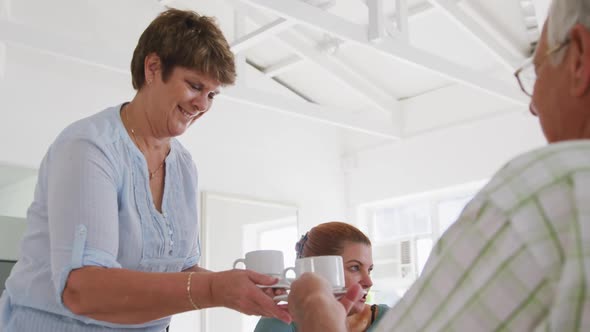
x: 329, y: 267
x: 268, y: 262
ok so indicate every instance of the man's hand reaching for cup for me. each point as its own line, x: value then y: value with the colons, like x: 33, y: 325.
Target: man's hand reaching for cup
x: 314, y: 307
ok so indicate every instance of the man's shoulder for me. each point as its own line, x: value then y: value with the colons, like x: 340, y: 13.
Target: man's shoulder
x: 532, y: 171
x: 557, y: 159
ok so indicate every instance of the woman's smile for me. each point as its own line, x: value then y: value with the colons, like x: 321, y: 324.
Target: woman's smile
x: 188, y: 115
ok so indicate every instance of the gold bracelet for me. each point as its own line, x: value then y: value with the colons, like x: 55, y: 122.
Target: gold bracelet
x: 188, y: 291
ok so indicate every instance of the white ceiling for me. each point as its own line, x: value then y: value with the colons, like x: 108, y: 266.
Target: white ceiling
x: 402, y: 68
x: 342, y: 58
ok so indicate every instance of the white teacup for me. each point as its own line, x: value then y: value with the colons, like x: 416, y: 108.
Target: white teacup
x: 329, y: 267
x: 268, y: 262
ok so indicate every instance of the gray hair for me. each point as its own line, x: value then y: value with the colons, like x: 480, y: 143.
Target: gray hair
x: 562, y: 16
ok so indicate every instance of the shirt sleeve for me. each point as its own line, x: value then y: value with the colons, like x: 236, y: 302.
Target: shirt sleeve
x: 194, y: 256
x: 82, y: 209
x: 195, y: 253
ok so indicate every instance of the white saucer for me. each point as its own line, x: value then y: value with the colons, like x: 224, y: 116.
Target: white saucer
x: 280, y: 284
x: 338, y: 292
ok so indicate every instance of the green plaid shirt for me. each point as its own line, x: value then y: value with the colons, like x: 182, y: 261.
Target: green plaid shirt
x: 518, y: 257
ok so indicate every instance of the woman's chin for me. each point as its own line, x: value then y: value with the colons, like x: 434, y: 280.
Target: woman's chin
x: 178, y: 130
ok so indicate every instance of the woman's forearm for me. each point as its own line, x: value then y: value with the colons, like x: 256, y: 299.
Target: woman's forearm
x: 132, y: 297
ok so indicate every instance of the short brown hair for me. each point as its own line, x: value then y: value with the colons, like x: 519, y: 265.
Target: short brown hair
x: 186, y: 39
x: 329, y: 239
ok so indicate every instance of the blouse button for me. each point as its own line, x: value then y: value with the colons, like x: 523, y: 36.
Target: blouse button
x: 170, y: 232
x: 170, y: 252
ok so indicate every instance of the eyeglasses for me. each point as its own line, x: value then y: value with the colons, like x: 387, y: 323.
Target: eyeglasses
x: 527, y: 76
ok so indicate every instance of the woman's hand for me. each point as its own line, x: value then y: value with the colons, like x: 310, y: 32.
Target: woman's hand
x: 236, y: 289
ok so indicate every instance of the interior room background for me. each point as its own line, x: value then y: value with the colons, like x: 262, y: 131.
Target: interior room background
x: 319, y: 127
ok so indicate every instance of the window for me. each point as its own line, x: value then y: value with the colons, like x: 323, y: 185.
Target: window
x: 280, y: 234
x: 404, y: 231
x: 390, y: 222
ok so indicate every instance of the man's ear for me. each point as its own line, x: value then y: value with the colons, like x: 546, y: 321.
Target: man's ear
x: 580, y: 64
x: 151, y: 67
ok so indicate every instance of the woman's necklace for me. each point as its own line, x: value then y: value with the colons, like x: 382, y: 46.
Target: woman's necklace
x: 152, y: 173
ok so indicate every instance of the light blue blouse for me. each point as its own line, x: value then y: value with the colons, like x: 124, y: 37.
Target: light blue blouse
x: 93, y: 206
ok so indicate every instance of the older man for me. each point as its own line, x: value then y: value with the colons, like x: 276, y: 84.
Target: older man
x: 518, y: 257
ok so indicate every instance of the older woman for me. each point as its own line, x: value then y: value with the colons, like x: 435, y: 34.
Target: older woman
x: 112, y: 239
x: 338, y: 238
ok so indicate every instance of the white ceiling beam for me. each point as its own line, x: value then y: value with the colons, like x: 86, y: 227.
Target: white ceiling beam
x: 260, y: 34
x: 282, y: 66
x: 451, y: 10
x: 404, y: 52
x: 397, y: 25
x: 5, y: 9
x: 311, y: 16
x: 376, y: 19
x: 332, y: 24
x: 93, y: 54
x: 375, y: 96
x: 480, y: 14
x: 414, y: 11
x: 254, y: 69
x: 346, y: 75
x: 244, y: 75
x: 83, y: 51
x: 402, y: 15
x: 2, y: 60
x: 310, y: 111
x: 402, y: 19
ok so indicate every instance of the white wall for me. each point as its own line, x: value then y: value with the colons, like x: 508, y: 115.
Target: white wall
x: 11, y: 232
x: 16, y: 198
x: 442, y: 158
x: 270, y: 156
